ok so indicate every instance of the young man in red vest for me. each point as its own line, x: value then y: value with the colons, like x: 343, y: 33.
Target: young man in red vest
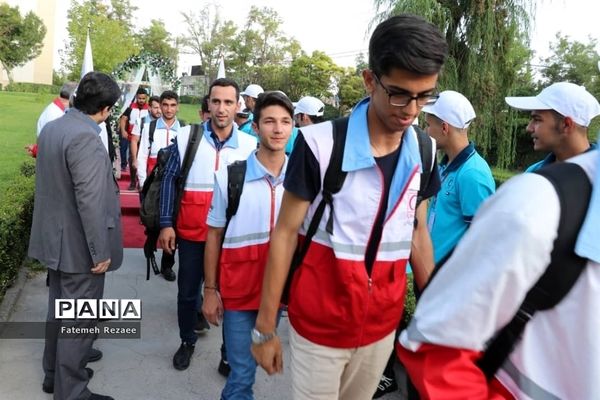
x: 347, y: 295
x: 220, y: 144
x: 132, y: 115
x: 233, y: 274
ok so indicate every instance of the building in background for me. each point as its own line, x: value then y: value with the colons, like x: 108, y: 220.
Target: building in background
x: 38, y: 70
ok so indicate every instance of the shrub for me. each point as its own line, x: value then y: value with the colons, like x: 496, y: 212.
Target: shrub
x: 189, y: 99
x: 27, y: 87
x: 502, y: 175
x: 16, y: 211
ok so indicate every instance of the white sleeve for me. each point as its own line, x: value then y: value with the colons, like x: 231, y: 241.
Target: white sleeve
x: 142, y: 158
x: 504, y: 252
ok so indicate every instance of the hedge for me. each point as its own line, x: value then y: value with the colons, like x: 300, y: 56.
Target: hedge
x: 26, y: 87
x: 16, y: 211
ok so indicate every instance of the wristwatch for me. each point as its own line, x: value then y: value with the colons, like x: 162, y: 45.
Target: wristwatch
x: 259, y: 338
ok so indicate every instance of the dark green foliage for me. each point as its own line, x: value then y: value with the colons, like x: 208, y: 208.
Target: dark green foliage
x: 16, y: 210
x: 26, y: 87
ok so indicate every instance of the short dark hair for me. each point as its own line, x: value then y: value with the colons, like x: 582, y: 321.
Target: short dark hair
x: 224, y: 82
x: 169, y: 94
x: 407, y: 42
x: 315, y: 120
x: 96, y: 91
x: 267, y: 99
x: 154, y: 98
x: 141, y: 90
x: 204, y: 106
x: 67, y: 90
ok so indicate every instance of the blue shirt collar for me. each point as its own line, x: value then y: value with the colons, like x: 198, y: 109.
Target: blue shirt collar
x: 231, y: 141
x: 161, y: 124
x: 358, y: 155
x: 459, y: 160
x: 85, y: 118
x: 255, y: 170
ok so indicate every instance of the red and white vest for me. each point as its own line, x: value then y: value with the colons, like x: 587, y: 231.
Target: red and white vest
x: 198, y: 189
x: 333, y: 301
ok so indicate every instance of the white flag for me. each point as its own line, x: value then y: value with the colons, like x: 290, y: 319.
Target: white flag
x: 88, y: 60
x: 221, y: 72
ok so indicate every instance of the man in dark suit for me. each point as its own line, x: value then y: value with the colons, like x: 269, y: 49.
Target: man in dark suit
x: 76, y: 230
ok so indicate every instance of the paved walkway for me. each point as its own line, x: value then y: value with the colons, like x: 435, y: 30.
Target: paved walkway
x: 132, y: 369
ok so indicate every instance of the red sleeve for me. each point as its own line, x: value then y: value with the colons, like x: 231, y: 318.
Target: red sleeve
x: 34, y: 151
x: 448, y: 373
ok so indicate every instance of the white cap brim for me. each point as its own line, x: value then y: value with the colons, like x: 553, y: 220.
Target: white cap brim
x: 526, y: 103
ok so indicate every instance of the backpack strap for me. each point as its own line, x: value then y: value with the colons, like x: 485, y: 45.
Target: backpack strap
x: 332, y: 184
x: 236, y: 174
x: 186, y: 165
x: 151, y: 130
x: 574, y: 190
x: 426, y: 152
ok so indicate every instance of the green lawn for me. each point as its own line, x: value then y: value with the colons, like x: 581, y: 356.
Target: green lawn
x: 19, y: 115
x: 189, y: 113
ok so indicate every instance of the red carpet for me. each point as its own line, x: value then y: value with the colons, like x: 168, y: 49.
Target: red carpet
x: 133, y: 231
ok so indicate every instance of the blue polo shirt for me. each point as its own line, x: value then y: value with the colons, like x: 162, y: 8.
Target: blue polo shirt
x: 549, y: 159
x: 466, y: 182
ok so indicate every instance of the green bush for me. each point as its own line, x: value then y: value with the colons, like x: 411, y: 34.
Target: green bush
x: 16, y: 211
x: 188, y: 99
x: 502, y: 175
x: 26, y: 87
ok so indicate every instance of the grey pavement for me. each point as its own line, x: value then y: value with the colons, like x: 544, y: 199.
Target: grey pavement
x: 131, y: 369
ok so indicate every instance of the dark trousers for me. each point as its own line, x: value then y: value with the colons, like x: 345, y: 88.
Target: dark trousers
x: 123, y: 151
x: 65, y: 357
x: 189, y: 282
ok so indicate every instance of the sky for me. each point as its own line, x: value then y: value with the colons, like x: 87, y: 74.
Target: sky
x: 340, y: 28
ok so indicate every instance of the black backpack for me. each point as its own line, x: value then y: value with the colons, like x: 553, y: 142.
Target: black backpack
x: 150, y: 204
x: 574, y: 191
x: 333, y: 182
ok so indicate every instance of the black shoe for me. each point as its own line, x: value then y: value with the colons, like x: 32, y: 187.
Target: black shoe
x: 96, y: 396
x: 94, y: 355
x: 48, y: 384
x: 386, y: 385
x: 202, y: 325
x: 181, y: 359
x: 168, y: 274
x: 224, y: 368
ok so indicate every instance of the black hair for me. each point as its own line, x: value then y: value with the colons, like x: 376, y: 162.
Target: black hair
x: 96, y: 91
x: 141, y: 90
x: 224, y: 82
x: 204, y: 106
x: 67, y: 90
x: 407, y: 42
x: 154, y: 98
x: 315, y: 120
x: 267, y: 99
x: 169, y: 94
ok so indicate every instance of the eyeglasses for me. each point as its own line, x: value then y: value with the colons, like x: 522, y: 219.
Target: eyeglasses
x: 403, y: 99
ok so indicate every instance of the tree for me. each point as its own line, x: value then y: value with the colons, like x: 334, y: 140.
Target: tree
x: 111, y: 39
x: 487, y: 53
x: 316, y: 76
x: 259, y: 46
x: 156, y: 39
x: 208, y: 37
x: 351, y: 88
x: 20, y: 37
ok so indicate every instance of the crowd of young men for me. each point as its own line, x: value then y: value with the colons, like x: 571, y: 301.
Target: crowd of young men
x: 332, y: 230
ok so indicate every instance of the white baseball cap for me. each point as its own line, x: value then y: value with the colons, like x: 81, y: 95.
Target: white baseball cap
x: 567, y: 99
x: 452, y: 108
x: 252, y: 90
x: 310, y: 106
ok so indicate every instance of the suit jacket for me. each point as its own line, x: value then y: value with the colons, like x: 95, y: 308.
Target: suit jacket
x: 76, y: 215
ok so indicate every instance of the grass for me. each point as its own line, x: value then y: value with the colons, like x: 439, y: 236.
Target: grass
x: 189, y: 113
x: 20, y: 112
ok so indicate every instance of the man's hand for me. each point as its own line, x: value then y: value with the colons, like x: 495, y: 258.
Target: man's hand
x: 269, y: 355
x: 32, y: 150
x: 166, y: 239
x: 101, y: 267
x: 212, y: 306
